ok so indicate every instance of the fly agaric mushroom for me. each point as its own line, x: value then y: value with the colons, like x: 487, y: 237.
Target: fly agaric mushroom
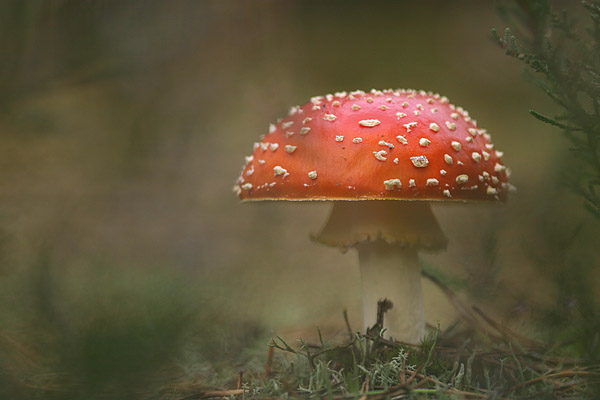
x: 384, y: 145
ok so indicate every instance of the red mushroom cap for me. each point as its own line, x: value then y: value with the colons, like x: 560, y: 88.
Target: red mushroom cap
x: 391, y: 144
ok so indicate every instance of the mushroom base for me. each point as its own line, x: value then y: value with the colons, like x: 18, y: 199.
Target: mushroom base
x: 392, y: 272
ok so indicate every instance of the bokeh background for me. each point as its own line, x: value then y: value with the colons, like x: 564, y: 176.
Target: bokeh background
x: 128, y: 266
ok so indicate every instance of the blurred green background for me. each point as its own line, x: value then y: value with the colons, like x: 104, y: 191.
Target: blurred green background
x: 128, y: 267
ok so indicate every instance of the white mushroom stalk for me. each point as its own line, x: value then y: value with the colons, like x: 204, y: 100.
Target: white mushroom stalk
x: 387, y: 236
x: 392, y: 272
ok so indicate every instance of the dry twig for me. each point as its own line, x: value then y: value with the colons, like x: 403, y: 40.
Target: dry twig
x: 269, y: 362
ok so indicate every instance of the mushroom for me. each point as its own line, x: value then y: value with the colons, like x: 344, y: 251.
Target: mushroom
x: 362, y: 150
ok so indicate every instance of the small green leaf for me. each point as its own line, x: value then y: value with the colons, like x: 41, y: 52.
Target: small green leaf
x: 548, y: 120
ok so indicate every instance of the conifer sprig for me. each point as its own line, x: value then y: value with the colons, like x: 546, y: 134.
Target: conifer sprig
x: 566, y: 66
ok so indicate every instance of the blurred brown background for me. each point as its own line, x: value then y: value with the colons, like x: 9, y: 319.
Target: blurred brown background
x: 123, y: 126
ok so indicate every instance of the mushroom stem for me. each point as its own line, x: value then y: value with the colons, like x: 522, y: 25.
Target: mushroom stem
x: 388, y: 235
x: 392, y: 272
